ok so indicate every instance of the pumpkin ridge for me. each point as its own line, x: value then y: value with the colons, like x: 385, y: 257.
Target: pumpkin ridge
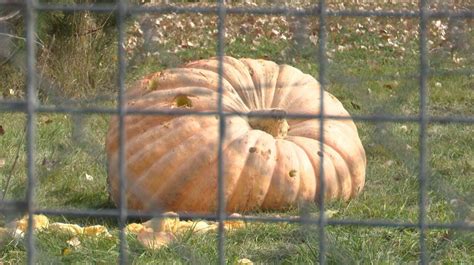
x: 280, y: 193
x: 251, y: 96
x: 310, y: 128
x: 181, y: 203
x: 139, y: 156
x: 212, y: 66
x: 260, y: 96
x: 113, y: 133
x: 164, y: 188
x: 233, y: 191
x: 304, y: 92
x: 199, y: 77
x: 309, y: 147
x: 351, y: 159
x: 286, y: 82
x: 277, y: 85
x: 164, y: 158
x: 303, y: 161
x: 133, y: 143
x: 341, y: 168
x: 129, y: 142
x: 266, y: 84
x: 240, y: 185
x: 327, y: 123
x: 229, y: 102
x: 138, y: 121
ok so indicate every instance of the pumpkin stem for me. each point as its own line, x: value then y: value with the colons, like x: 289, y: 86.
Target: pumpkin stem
x: 273, y: 122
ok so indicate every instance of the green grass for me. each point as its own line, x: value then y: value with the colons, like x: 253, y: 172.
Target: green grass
x: 367, y: 82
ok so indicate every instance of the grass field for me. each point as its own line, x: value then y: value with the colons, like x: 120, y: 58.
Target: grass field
x: 373, y: 68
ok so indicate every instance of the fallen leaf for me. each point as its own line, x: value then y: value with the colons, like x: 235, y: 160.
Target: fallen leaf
x: 45, y: 120
x: 391, y: 85
x: 454, y: 202
x: 66, y: 251
x: 89, y: 177
x: 355, y: 105
x: 2, y: 131
x: 48, y: 164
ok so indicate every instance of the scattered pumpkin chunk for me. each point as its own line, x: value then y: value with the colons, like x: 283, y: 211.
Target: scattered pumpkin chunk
x: 40, y: 223
x: 134, y: 228
x: 244, y: 262
x: 234, y: 224
x: 71, y: 229
x: 74, y: 242
x: 168, y: 224
x: 153, y: 234
x: 96, y: 230
x: 156, y: 232
x: 154, y: 240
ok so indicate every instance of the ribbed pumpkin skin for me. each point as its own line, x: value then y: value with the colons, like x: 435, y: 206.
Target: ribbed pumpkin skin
x: 171, y: 161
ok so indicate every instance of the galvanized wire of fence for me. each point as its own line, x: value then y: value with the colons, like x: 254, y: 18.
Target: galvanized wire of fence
x: 31, y: 107
x: 221, y: 13
x: 423, y: 127
x: 322, y: 79
x: 31, y: 104
x: 121, y: 103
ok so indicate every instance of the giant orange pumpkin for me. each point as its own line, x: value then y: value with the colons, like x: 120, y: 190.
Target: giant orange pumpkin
x: 269, y: 163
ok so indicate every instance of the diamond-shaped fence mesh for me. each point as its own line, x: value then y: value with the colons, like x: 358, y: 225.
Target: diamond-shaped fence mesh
x: 317, y: 30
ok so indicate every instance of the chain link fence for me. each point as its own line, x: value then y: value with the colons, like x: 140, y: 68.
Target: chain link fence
x: 32, y: 106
